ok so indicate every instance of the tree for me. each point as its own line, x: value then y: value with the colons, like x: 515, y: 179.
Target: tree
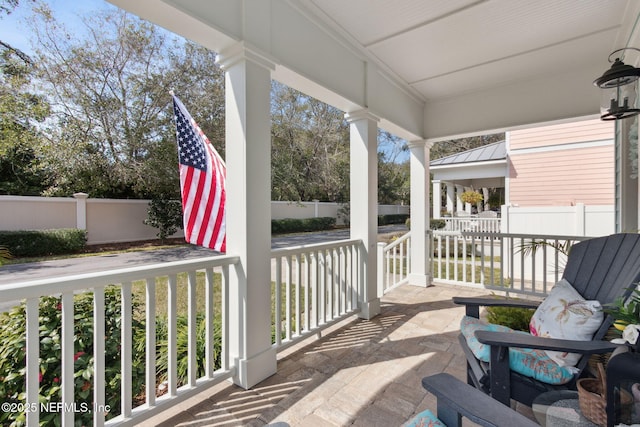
x: 109, y: 92
x: 447, y: 148
x: 6, y: 7
x: 310, y: 148
x: 394, y: 181
x: 21, y: 113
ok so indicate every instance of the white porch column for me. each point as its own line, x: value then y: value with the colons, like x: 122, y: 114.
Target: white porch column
x: 485, y: 200
x: 451, y: 197
x: 364, y: 203
x: 419, y: 164
x: 459, y: 191
x: 437, y: 198
x: 248, y: 154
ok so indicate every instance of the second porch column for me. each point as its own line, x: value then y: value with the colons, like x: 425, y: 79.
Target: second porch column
x: 419, y: 164
x: 451, y: 197
x: 459, y: 205
x: 364, y: 204
x: 248, y: 154
x: 437, y: 198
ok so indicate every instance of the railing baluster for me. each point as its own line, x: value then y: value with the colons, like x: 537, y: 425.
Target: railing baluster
x: 343, y: 280
x: 33, y: 363
x: 315, y: 310
x: 150, y: 380
x: 172, y: 334
x: 298, y: 288
x: 224, y: 286
x: 209, y: 316
x: 126, y: 347
x: 277, y: 316
x: 322, y: 285
x: 288, y: 300
x: 308, y: 294
x: 98, y: 357
x: 192, y: 319
x: 331, y: 285
x: 68, y: 336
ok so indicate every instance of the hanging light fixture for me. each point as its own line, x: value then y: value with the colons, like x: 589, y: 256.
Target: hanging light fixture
x: 619, y: 86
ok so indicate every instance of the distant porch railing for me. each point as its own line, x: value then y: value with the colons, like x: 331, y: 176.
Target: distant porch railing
x: 472, y: 224
x: 512, y: 263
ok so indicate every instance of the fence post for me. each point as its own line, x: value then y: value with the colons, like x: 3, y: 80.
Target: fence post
x: 81, y: 210
x: 580, y: 220
x: 316, y: 206
x: 504, y: 219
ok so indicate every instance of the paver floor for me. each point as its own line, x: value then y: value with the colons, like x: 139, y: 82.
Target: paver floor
x: 360, y: 373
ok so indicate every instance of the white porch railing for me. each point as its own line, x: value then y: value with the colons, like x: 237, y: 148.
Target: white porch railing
x: 394, y: 263
x: 186, y: 283
x: 512, y: 263
x: 315, y: 286
x: 472, y: 224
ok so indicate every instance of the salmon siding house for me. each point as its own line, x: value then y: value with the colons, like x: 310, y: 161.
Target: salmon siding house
x: 557, y: 179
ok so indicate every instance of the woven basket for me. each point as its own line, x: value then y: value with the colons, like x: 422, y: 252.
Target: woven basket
x: 592, y: 397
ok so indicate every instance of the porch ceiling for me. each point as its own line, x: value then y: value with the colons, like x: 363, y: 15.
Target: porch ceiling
x: 456, y: 67
x: 447, y: 48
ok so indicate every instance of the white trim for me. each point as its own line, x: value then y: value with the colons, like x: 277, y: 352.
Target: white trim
x: 469, y: 164
x: 561, y: 147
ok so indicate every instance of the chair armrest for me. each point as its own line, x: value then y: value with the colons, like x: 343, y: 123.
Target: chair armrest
x: 456, y: 398
x: 473, y: 304
x: 507, y: 339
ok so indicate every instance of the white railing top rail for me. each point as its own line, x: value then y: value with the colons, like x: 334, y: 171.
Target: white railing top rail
x: 302, y: 249
x: 60, y: 284
x: 397, y: 242
x: 517, y: 235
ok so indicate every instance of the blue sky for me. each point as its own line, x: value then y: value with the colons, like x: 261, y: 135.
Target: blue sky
x: 14, y: 31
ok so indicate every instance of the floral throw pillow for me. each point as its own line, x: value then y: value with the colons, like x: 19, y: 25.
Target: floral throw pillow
x: 564, y: 314
x: 424, y: 419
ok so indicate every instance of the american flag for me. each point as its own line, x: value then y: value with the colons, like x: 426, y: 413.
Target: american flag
x: 202, y: 183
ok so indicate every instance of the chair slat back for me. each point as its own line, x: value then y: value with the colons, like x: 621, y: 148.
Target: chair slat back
x: 603, y: 269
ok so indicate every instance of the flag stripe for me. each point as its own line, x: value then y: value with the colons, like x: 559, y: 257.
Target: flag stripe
x: 202, y: 183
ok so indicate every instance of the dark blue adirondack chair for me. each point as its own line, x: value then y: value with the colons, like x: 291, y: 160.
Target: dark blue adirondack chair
x: 457, y: 400
x: 601, y: 269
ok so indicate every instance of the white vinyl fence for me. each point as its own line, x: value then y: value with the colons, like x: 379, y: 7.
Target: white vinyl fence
x: 115, y: 220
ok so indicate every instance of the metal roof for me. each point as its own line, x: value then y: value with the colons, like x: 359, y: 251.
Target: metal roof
x: 490, y: 152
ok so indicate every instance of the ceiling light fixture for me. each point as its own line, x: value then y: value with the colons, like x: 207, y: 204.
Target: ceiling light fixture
x: 619, y: 86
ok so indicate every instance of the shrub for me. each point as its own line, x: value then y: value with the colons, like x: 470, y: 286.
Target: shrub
x: 437, y: 223
x: 392, y: 219
x: 513, y: 317
x: 12, y: 357
x: 165, y: 214
x: 294, y: 225
x: 5, y: 255
x: 472, y: 197
x: 29, y: 243
x: 182, y: 344
x: 434, y: 224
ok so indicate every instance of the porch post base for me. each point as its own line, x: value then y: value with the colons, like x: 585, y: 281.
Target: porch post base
x: 369, y: 309
x: 254, y: 370
x: 422, y: 280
